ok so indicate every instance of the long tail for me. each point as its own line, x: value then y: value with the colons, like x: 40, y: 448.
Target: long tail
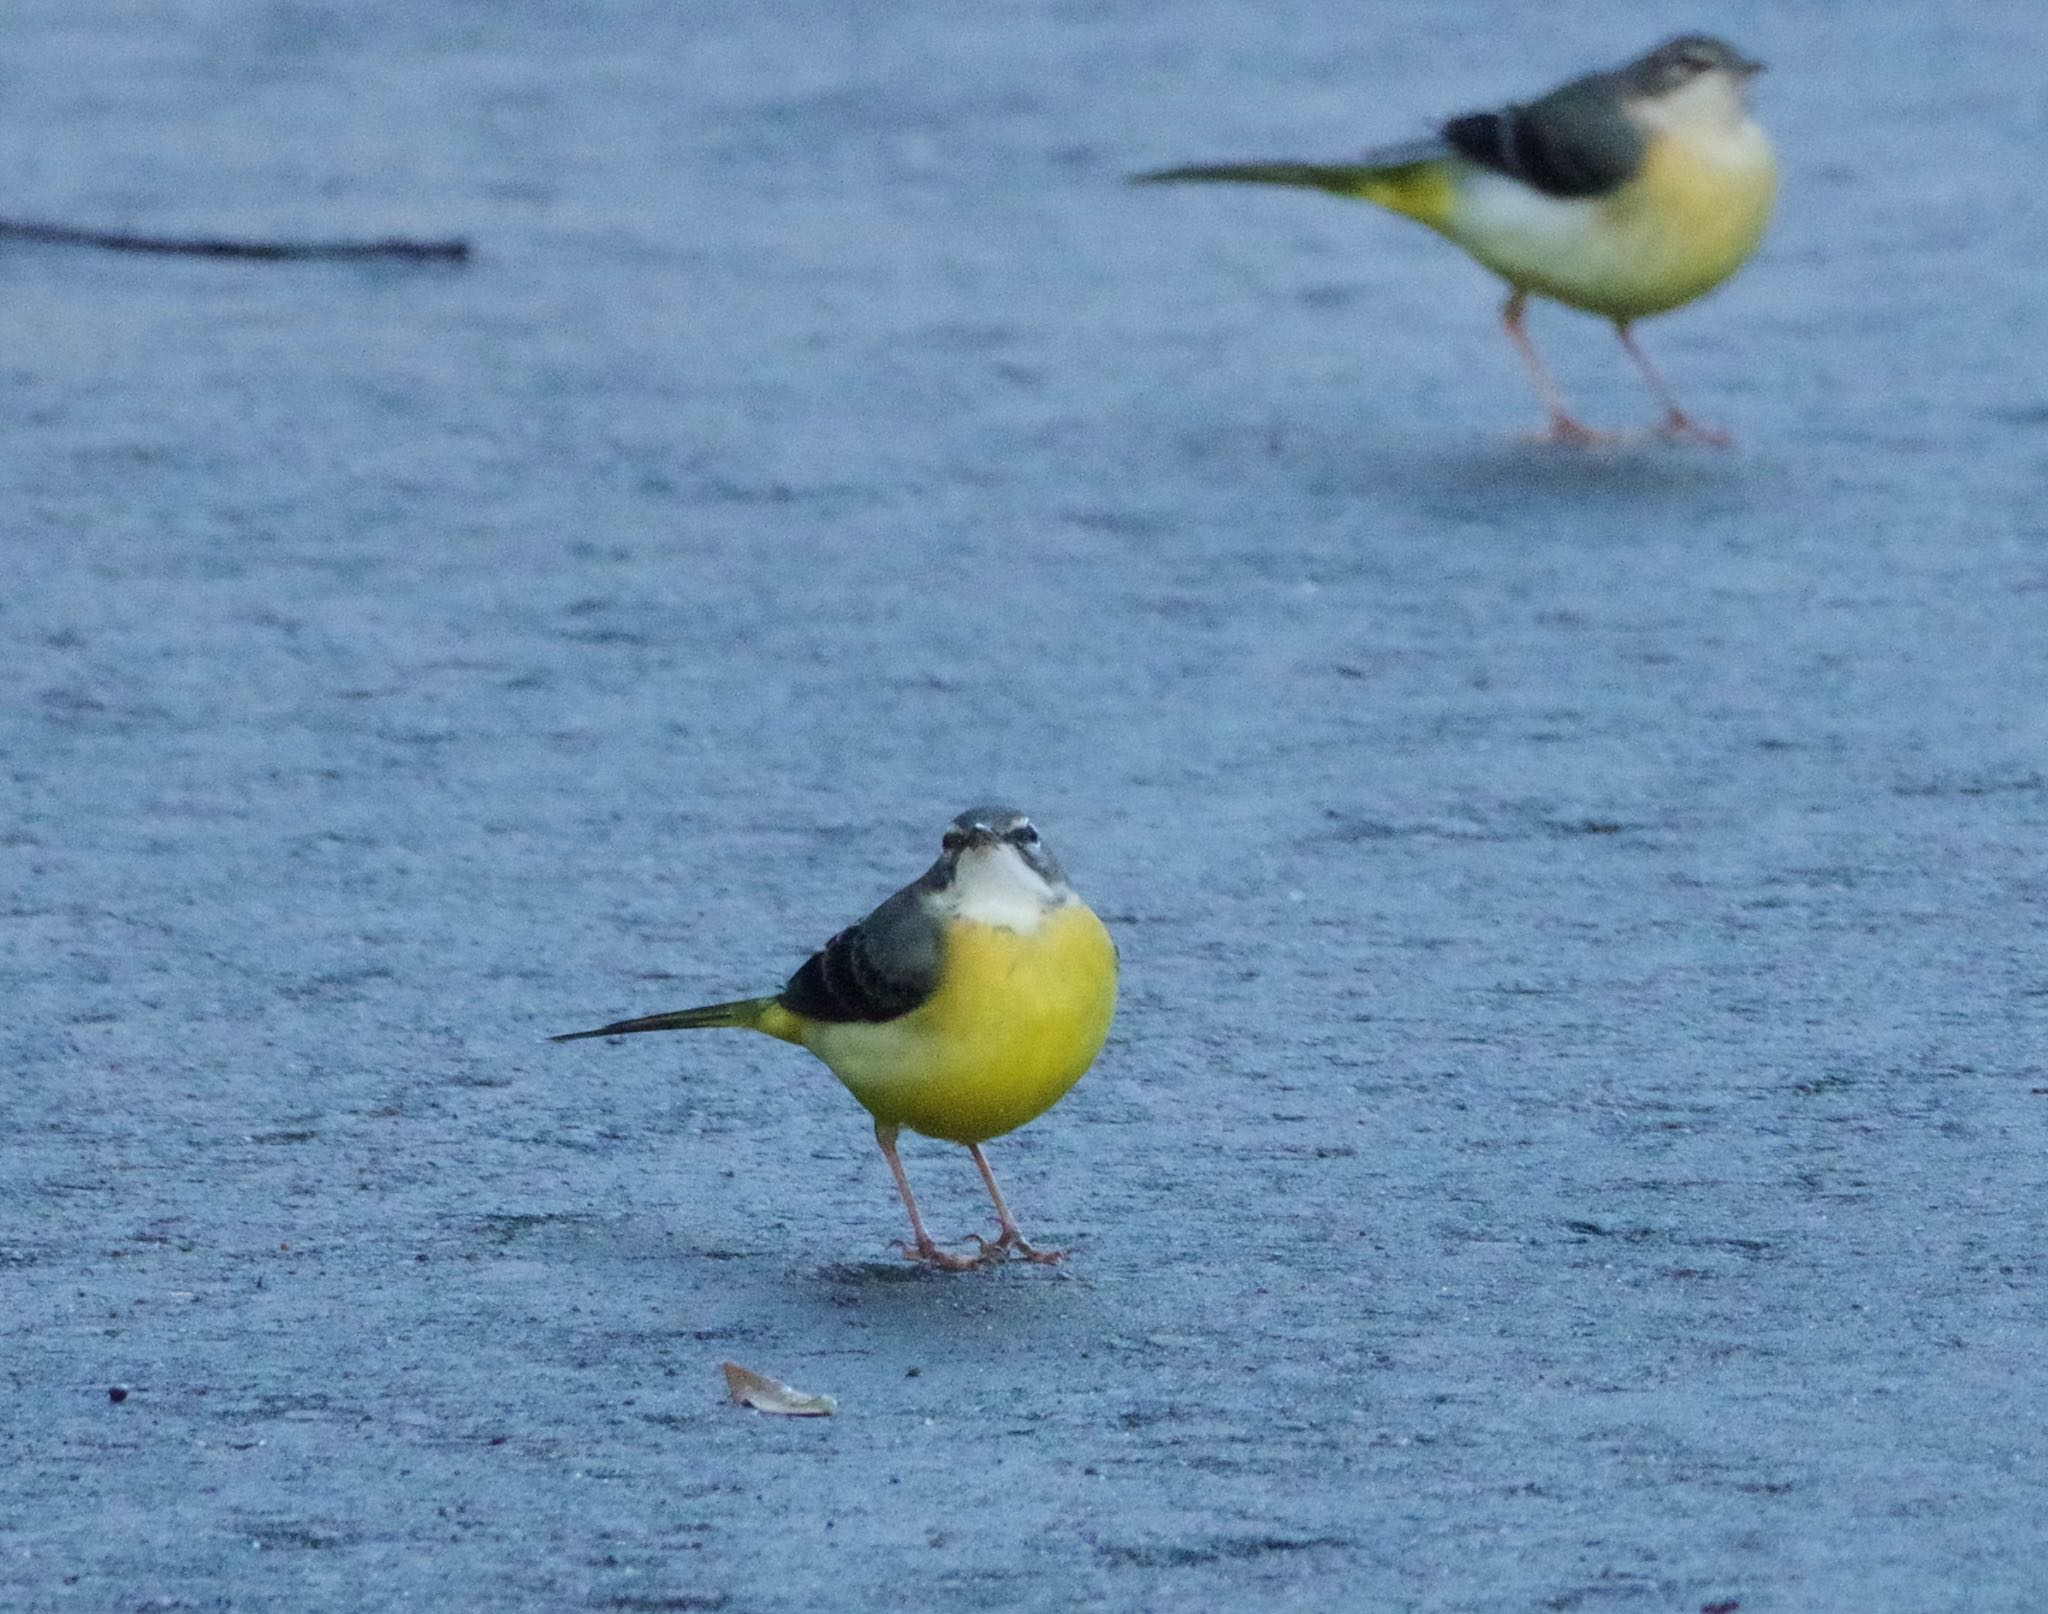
x: 1414, y: 180
x: 748, y: 1014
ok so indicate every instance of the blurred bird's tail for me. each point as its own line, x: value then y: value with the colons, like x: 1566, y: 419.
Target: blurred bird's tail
x: 1413, y: 180
x: 746, y: 1014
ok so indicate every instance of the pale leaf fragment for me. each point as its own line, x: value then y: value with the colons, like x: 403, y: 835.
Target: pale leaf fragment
x: 764, y: 1394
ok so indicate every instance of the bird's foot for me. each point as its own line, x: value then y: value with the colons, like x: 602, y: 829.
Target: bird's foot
x: 1563, y: 429
x: 1679, y: 427
x: 931, y: 1255
x: 1012, y: 1239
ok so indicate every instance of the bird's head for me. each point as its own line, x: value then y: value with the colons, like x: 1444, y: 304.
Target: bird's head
x: 995, y: 867
x: 1691, y: 79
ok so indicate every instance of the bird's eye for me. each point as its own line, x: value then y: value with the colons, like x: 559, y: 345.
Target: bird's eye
x: 1024, y: 835
x: 953, y: 840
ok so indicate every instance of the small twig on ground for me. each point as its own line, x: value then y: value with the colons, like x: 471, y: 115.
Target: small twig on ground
x: 452, y: 251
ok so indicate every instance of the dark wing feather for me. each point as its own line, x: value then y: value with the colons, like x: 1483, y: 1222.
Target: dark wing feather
x: 1578, y: 140
x: 879, y: 969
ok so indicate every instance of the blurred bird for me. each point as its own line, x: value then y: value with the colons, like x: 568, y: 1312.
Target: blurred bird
x: 962, y: 1007
x: 1625, y: 193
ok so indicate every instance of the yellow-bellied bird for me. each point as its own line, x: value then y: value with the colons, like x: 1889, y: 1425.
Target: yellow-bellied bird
x: 1625, y: 193
x: 964, y: 1006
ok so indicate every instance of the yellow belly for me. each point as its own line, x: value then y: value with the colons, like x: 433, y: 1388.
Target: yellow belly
x: 1019, y: 1017
x: 1689, y: 219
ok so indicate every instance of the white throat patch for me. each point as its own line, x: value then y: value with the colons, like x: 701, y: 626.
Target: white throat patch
x: 1712, y: 104
x: 995, y: 886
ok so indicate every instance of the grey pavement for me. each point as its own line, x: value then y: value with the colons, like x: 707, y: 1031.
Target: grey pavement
x: 1576, y: 1135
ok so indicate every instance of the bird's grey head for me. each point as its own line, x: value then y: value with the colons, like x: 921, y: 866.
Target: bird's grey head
x: 1679, y: 62
x: 994, y: 865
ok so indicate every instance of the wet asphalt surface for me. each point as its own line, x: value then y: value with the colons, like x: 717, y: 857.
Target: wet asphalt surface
x: 1575, y: 1133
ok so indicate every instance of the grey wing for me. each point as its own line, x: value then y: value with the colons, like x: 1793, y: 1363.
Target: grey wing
x: 1578, y: 140
x: 879, y: 969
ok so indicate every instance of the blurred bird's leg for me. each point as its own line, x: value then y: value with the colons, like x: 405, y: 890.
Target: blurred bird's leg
x: 1563, y: 428
x: 922, y: 1249
x: 1012, y: 1236
x: 1677, y: 423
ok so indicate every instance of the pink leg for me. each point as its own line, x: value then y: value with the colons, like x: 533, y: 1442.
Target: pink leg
x: 923, y: 1248
x: 1011, y: 1237
x: 1563, y: 428
x: 1677, y: 423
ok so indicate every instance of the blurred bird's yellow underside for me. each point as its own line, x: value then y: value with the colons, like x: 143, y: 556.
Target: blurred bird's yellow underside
x: 1688, y: 220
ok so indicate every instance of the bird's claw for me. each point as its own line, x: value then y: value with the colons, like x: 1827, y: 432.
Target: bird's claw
x: 1572, y: 433
x: 931, y: 1255
x: 1010, y: 1240
x: 1680, y: 427
x: 993, y: 1252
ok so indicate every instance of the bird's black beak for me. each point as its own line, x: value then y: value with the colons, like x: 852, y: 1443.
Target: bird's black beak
x: 1748, y: 67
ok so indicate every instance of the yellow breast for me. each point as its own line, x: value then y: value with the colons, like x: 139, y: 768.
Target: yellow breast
x: 1690, y: 218
x: 1017, y: 1018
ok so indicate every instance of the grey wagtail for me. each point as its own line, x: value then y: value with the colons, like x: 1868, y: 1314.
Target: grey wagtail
x: 964, y: 1006
x: 1625, y: 193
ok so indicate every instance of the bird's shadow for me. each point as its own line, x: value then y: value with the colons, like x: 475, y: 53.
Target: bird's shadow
x: 1509, y: 472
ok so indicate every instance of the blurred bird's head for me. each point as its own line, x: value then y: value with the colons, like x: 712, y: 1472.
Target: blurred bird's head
x: 1690, y: 80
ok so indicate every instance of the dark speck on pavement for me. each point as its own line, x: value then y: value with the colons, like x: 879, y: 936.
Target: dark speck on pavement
x: 1574, y: 1136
